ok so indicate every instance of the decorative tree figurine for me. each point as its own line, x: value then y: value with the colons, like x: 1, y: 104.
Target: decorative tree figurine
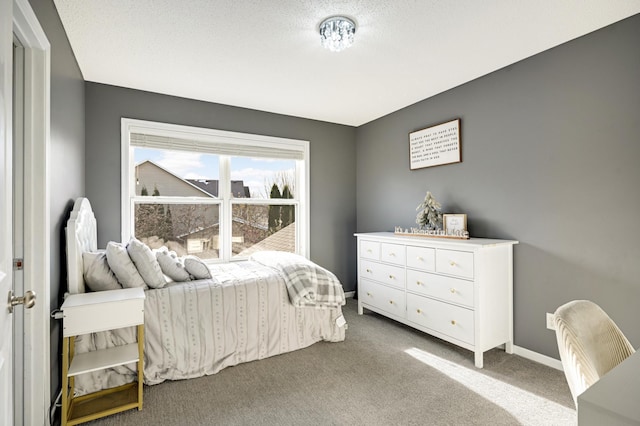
x: 429, y: 215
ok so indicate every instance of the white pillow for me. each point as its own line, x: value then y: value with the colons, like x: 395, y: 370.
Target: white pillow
x: 171, y: 265
x: 121, y: 265
x: 146, y: 263
x: 196, y: 267
x: 97, y: 274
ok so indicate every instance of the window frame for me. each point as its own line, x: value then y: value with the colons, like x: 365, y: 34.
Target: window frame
x: 204, y: 138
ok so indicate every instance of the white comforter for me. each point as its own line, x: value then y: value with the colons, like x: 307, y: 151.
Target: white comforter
x: 200, y: 327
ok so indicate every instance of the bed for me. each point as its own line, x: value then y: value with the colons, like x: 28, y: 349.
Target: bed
x: 244, y: 312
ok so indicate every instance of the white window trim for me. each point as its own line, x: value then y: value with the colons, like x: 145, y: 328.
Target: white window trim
x: 204, y: 135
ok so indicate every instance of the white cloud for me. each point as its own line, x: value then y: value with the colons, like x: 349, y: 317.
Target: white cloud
x: 251, y: 174
x: 182, y: 163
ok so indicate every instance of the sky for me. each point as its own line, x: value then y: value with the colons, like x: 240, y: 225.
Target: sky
x: 255, y: 172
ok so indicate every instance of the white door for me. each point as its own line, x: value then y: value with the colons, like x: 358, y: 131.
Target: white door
x: 31, y: 398
x: 18, y: 16
x: 6, y: 322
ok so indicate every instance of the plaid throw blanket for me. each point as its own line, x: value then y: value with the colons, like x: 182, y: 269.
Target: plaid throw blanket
x: 308, y: 284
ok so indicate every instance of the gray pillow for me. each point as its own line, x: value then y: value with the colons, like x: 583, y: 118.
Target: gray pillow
x: 121, y: 265
x: 97, y: 274
x: 146, y: 263
x: 172, y: 266
x: 196, y: 267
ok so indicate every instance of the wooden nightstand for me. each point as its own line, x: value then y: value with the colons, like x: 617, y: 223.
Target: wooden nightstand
x: 89, y: 313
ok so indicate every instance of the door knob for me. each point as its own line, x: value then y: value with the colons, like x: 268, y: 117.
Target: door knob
x: 28, y: 300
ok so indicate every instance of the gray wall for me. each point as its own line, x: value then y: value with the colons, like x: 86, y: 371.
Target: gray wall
x: 550, y: 150
x: 332, y: 153
x: 66, y: 158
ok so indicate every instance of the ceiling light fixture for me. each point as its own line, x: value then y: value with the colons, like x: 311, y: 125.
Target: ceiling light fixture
x: 337, y: 33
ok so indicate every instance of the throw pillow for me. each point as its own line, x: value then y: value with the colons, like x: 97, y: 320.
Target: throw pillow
x: 172, y: 266
x: 146, y: 263
x: 196, y: 267
x: 97, y: 274
x: 121, y: 265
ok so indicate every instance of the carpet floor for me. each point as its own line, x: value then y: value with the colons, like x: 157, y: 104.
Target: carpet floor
x: 384, y: 373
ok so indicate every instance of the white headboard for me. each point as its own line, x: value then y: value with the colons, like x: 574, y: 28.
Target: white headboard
x: 82, y: 236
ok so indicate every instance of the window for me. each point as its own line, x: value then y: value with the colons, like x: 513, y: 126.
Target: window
x: 218, y: 195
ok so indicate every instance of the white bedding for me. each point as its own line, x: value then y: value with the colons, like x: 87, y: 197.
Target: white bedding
x: 243, y: 313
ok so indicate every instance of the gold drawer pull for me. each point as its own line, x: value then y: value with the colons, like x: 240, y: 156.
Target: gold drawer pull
x: 452, y: 263
x: 368, y: 250
x: 453, y: 322
x: 368, y: 294
x: 453, y: 290
x: 392, y: 254
x: 368, y: 270
x: 419, y: 282
x: 392, y: 277
x: 418, y: 311
x: 391, y: 302
x: 420, y: 258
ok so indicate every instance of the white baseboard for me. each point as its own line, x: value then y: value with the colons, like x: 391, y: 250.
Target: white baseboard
x: 534, y: 356
x: 349, y: 294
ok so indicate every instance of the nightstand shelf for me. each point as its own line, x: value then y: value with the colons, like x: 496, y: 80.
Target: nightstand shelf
x: 94, y: 312
x: 98, y: 360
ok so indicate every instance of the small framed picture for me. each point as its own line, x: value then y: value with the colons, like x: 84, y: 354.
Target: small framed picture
x: 454, y: 224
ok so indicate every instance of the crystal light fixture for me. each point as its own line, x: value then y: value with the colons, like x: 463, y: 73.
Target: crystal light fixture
x: 337, y: 33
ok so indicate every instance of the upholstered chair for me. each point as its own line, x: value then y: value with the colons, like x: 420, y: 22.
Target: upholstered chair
x: 590, y: 344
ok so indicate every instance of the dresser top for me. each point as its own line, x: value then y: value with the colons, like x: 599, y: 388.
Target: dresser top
x: 435, y: 241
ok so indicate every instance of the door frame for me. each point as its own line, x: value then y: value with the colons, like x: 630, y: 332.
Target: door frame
x: 37, y: 229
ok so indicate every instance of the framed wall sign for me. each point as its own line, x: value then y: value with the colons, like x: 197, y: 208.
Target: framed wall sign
x: 435, y: 145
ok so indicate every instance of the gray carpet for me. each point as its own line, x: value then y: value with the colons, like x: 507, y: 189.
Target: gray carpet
x: 383, y: 373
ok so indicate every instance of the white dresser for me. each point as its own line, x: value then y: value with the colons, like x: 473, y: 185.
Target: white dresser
x: 458, y: 290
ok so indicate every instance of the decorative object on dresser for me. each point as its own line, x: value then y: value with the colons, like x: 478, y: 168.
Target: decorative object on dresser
x: 429, y: 213
x: 436, y: 145
x: 458, y: 291
x: 430, y: 221
x: 430, y: 233
x: 454, y: 224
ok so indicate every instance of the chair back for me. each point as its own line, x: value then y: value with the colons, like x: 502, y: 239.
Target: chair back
x: 590, y: 344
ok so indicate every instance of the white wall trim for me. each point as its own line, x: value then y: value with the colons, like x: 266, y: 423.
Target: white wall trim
x: 37, y: 211
x: 539, y: 358
x: 349, y: 294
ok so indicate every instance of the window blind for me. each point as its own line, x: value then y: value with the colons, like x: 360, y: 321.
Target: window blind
x: 220, y: 146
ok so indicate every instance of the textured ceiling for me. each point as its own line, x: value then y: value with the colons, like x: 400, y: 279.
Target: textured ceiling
x: 266, y: 55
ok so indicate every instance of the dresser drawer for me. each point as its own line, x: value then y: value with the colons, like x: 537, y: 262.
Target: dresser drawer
x: 392, y: 253
x: 453, y: 321
x: 370, y: 249
x: 382, y: 297
x: 446, y: 288
x: 452, y: 262
x: 388, y: 274
x: 421, y: 258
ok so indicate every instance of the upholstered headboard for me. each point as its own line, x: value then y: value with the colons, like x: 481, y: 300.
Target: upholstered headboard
x: 82, y: 236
